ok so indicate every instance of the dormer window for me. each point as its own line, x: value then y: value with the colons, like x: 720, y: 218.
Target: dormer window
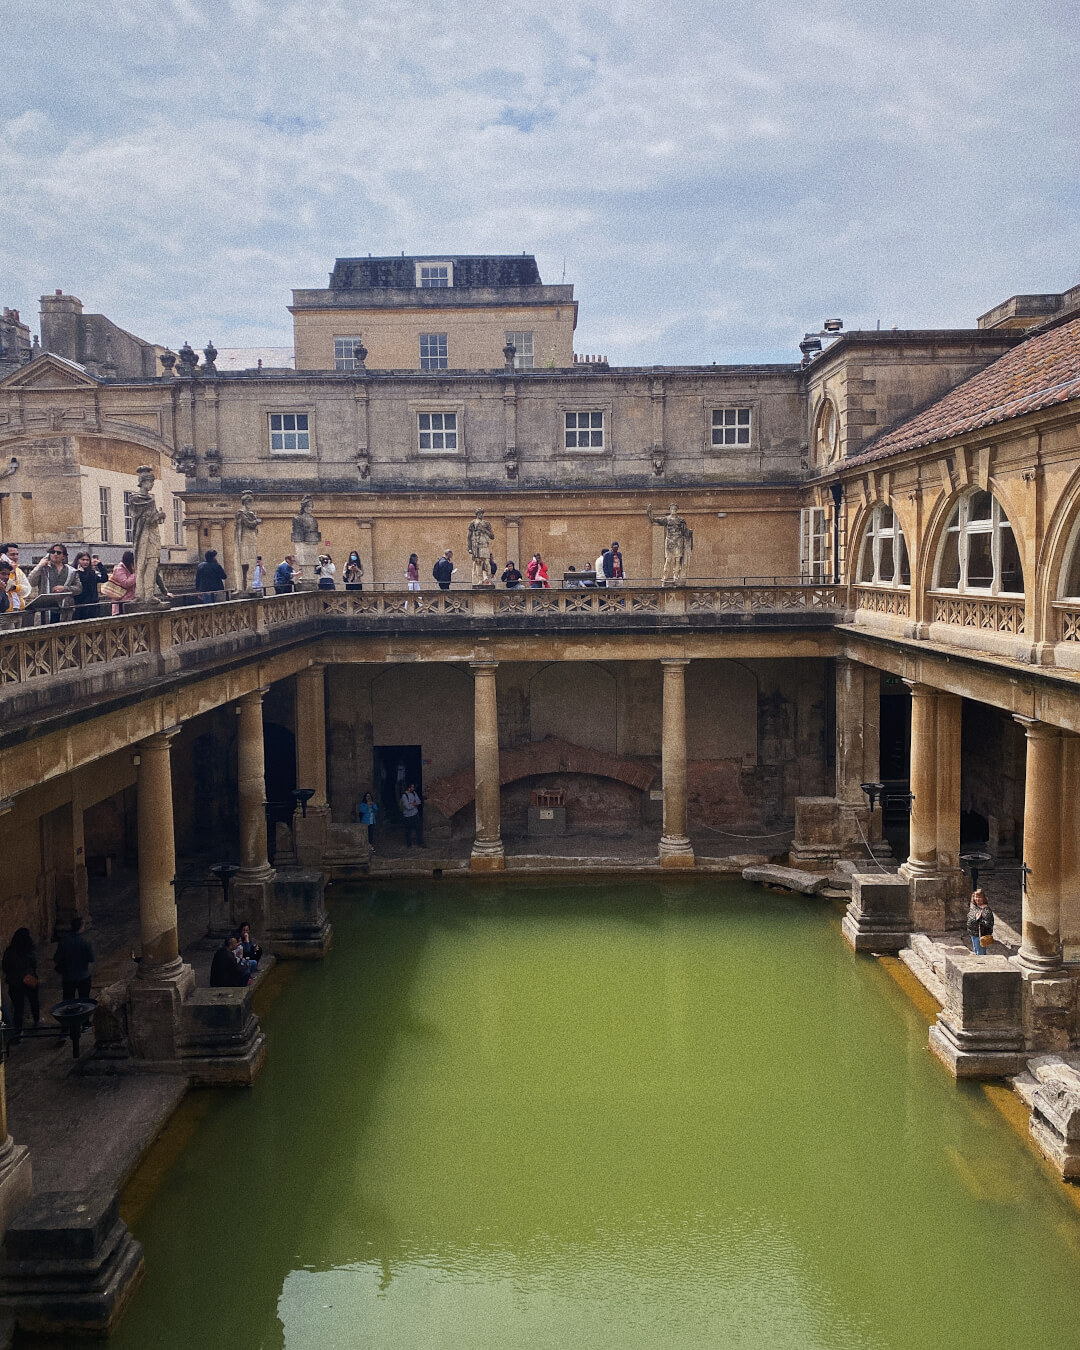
x: 434, y: 275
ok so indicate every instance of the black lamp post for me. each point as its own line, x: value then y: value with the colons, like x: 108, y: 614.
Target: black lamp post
x: 224, y: 871
x: 973, y: 861
x: 874, y: 791
x: 301, y: 796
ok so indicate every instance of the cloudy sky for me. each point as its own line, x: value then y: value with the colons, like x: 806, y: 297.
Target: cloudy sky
x: 716, y: 178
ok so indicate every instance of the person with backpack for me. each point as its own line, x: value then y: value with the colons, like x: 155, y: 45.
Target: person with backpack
x: 444, y: 570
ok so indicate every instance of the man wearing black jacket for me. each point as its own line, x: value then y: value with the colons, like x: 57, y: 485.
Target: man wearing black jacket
x: 210, y: 576
x: 225, y: 971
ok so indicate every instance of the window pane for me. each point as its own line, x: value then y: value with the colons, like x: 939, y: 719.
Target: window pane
x: 866, y: 562
x: 885, y: 571
x: 980, y: 570
x: 1072, y: 577
x: 1012, y: 573
x: 980, y: 506
x: 905, y: 565
x: 949, y: 572
x: 885, y: 519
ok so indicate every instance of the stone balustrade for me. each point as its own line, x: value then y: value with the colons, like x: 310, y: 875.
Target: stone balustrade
x: 893, y: 601
x: 983, y: 613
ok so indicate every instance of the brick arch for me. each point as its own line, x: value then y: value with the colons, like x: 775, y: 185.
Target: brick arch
x: 551, y: 755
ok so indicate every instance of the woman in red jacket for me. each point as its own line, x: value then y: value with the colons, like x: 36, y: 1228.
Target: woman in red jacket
x: 537, y: 573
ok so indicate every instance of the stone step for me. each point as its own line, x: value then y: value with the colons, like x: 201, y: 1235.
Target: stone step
x: 790, y: 878
x: 924, y: 972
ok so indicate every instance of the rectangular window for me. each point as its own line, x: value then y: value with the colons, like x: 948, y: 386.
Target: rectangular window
x: 105, y: 513
x: 523, y: 353
x: 289, y: 433
x: 178, y: 522
x: 345, y: 357
x: 731, y: 426
x: 432, y: 351
x: 813, y: 544
x: 129, y: 528
x: 434, y: 276
x: 584, y: 431
x: 438, y: 431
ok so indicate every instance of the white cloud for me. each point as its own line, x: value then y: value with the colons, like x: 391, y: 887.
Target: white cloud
x: 718, y: 176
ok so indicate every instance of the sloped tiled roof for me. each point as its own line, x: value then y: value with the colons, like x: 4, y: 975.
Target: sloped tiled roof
x: 1038, y: 373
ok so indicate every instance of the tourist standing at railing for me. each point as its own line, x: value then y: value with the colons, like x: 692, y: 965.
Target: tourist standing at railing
x: 7, y: 584
x: 326, y: 572
x: 87, y: 605
x: 613, y: 559
x: 444, y: 570
x: 354, y: 573
x: 537, y: 573
x: 258, y: 577
x: 17, y: 601
x: 122, y: 580
x: 210, y: 578
x: 285, y: 576
x: 412, y: 573
x: 600, y: 567
x: 368, y: 811
x: 53, y: 577
x: 511, y: 576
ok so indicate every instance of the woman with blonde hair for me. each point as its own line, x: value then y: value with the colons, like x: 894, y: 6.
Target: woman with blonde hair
x: 980, y: 922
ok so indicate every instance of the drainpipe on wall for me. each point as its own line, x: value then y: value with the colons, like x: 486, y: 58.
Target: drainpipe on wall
x: 837, y: 490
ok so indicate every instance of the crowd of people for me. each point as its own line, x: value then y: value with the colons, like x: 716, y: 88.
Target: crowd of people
x: 57, y: 589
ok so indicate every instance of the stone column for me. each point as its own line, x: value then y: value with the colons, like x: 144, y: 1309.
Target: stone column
x: 933, y: 866
x: 248, y: 892
x: 15, y: 1171
x: 311, y: 831
x: 675, y: 849
x: 157, y: 859
x: 156, y: 997
x: 1040, y: 949
x: 487, y: 849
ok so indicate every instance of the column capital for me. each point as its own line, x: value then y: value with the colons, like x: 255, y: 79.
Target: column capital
x: 484, y: 666
x: 315, y: 668
x: 1036, y: 730
x: 672, y: 662
x: 921, y: 690
x: 253, y: 695
x: 159, y: 740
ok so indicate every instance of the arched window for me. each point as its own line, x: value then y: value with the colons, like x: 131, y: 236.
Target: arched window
x: 979, y: 552
x: 826, y: 433
x: 883, y: 560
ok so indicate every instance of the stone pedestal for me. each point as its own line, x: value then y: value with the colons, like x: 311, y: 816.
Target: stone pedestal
x: 15, y: 1172
x: 1049, y: 1010
x: 69, y: 1265
x: 1055, y: 1117
x: 223, y: 1043
x: 979, y: 1033
x: 155, y: 1011
x: 878, y: 917
x: 297, y: 924
x: 828, y: 830
x: 675, y: 847
x: 547, y: 822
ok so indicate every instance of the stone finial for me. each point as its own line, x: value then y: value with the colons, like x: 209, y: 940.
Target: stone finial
x: 188, y: 359
x: 210, y: 353
x: 168, y: 361
x: 108, y: 366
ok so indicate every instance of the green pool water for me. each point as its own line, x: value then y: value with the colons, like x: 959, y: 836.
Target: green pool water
x: 601, y: 1115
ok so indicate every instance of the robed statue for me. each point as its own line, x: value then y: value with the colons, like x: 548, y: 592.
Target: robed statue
x: 480, y: 542
x: 305, y: 528
x: 146, y: 521
x: 678, y: 541
x: 246, y: 538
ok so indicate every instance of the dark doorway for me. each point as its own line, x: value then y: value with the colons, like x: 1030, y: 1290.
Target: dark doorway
x: 279, y: 753
x: 396, y: 766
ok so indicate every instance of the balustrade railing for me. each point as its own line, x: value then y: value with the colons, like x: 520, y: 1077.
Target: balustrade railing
x: 186, y: 634
x: 883, y: 600
x: 1068, y: 621
x: 986, y: 613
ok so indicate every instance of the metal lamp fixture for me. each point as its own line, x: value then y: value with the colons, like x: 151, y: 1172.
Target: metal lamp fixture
x: 302, y: 796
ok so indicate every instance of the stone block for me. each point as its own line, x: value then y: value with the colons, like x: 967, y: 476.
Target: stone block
x: 155, y: 1014
x: 110, y: 1022
x: 878, y: 917
x: 16, y: 1179
x: 827, y: 829
x: 791, y: 878
x: 297, y: 924
x: 222, y: 1040
x: 1050, y: 1011
x: 1055, y: 1123
x: 979, y: 1033
x: 69, y: 1264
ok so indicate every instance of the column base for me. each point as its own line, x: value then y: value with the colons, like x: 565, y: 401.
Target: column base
x: 1049, y: 1008
x: 487, y: 856
x: 878, y: 918
x: 979, y: 1033
x: 70, y: 1265
x: 155, y: 1011
x: 16, y: 1179
x: 1036, y: 966
x: 676, y: 851
x: 939, y: 896
x: 828, y: 830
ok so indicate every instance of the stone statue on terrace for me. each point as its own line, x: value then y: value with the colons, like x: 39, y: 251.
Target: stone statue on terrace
x: 678, y: 543
x: 480, y: 541
x: 246, y: 538
x: 146, y: 521
x: 305, y: 528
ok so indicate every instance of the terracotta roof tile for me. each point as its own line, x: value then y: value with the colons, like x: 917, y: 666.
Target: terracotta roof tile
x: 1038, y: 373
